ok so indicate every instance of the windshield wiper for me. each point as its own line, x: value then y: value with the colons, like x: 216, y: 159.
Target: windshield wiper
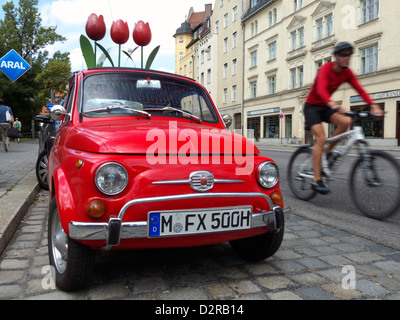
x: 141, y: 112
x: 183, y: 112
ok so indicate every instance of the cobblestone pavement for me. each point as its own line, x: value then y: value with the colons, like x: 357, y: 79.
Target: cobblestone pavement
x: 314, y: 262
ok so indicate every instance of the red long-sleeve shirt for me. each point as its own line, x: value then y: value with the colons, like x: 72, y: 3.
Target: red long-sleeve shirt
x: 328, y: 81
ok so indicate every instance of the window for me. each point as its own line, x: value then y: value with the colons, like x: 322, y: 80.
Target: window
x: 297, y: 5
x: 217, y: 27
x: 234, y: 93
x: 254, y: 28
x: 225, y: 97
x: 293, y: 76
x: 234, y: 14
x: 296, y: 77
x: 225, y: 20
x: 271, y: 126
x: 180, y: 39
x: 225, y: 70
x: 369, y: 10
x: 272, y: 51
x: 180, y: 55
x: 253, y: 3
x: 372, y: 128
x: 293, y: 40
x: 202, y: 56
x: 209, y: 76
x: 369, y: 59
x: 272, y: 84
x: 225, y: 45
x: 234, y: 67
x: 253, y: 59
x: 288, y: 130
x: 253, y: 89
x: 324, y: 27
x: 208, y: 53
x: 234, y: 39
x: 297, y: 39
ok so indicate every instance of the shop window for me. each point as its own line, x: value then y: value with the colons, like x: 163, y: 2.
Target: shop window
x: 271, y: 126
x: 372, y: 128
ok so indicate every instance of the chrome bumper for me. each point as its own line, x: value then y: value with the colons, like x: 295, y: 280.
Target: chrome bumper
x: 115, y: 230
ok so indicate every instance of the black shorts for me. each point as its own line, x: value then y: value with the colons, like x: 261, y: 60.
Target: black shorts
x: 315, y: 114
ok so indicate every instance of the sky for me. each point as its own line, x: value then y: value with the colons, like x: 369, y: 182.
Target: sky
x: 164, y: 17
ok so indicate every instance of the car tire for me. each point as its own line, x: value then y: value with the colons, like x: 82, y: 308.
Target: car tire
x: 41, y: 170
x: 72, y: 261
x: 259, y: 247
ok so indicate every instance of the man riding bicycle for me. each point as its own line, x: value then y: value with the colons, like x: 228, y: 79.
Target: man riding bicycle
x: 320, y: 107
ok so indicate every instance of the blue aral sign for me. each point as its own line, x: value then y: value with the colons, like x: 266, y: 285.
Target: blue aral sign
x: 13, y: 65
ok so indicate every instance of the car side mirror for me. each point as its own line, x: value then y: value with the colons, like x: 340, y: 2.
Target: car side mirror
x: 227, y: 120
x: 57, y: 112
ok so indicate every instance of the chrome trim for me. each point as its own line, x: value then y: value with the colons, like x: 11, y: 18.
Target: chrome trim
x: 132, y: 230
x: 187, y: 181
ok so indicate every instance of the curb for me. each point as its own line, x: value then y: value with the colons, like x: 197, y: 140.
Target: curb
x: 14, y: 205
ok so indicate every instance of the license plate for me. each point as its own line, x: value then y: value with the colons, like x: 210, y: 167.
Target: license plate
x: 183, y: 222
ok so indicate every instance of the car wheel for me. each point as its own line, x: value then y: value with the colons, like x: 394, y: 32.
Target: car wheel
x: 41, y: 169
x: 72, y: 261
x: 259, y: 247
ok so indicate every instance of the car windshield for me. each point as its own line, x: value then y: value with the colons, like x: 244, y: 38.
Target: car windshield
x: 127, y: 93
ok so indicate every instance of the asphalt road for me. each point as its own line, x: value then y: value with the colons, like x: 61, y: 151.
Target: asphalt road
x: 337, y: 209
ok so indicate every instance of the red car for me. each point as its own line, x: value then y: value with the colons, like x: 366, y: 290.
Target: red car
x: 143, y: 159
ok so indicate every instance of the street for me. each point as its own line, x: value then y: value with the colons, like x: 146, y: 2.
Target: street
x: 329, y: 252
x: 337, y: 208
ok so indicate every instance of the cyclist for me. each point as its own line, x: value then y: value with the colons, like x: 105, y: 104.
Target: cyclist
x: 320, y: 107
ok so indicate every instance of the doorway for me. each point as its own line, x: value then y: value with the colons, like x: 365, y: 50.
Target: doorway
x: 398, y: 123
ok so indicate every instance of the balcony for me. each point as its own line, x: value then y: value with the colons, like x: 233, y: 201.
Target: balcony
x: 296, y: 53
x: 323, y: 43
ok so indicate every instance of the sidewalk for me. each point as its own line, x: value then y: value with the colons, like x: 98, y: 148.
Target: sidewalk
x: 18, y: 186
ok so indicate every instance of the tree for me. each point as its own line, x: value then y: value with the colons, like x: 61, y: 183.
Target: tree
x: 22, y: 31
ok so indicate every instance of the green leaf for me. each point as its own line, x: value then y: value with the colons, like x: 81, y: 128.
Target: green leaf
x: 105, y: 52
x: 87, y: 52
x: 128, y: 55
x: 151, y: 57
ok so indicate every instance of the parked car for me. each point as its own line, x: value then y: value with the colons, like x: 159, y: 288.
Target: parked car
x: 143, y: 159
x: 46, y: 139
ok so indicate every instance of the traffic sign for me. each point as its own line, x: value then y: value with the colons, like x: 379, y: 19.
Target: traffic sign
x: 13, y: 65
x: 281, y: 116
x: 49, y: 106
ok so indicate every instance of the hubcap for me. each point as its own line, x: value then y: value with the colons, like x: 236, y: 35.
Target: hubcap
x: 43, y: 169
x: 59, y: 244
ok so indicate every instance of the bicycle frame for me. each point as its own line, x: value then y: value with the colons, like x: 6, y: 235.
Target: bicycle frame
x: 356, y: 135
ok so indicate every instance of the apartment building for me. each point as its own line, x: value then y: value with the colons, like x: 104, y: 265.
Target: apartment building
x: 280, y: 46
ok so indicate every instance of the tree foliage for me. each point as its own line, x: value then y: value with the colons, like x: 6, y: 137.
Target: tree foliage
x: 21, y: 29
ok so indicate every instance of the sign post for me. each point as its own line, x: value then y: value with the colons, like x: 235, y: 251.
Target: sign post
x: 13, y: 65
x: 280, y: 125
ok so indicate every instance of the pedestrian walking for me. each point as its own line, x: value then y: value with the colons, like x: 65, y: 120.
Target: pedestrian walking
x: 6, y: 122
x: 18, y: 126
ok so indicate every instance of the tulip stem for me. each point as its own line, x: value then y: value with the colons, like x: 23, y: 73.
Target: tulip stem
x: 95, y: 53
x: 119, y: 56
x: 142, y: 56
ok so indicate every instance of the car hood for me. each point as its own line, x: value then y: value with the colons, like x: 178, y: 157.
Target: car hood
x: 156, y: 137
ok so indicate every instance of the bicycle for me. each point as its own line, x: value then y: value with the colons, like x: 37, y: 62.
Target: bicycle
x: 374, y: 177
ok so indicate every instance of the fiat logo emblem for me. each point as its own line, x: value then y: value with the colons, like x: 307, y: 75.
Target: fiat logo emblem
x: 201, y: 181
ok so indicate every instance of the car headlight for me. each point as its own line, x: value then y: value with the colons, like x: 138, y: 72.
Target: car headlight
x: 111, y: 178
x: 267, y: 174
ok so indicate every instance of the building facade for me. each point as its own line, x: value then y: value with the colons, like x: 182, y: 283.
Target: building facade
x: 282, y: 44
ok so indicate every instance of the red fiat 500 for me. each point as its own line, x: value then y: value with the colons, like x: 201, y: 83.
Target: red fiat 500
x: 143, y: 159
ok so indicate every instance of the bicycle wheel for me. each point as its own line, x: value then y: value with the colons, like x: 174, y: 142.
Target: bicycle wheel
x: 301, y: 174
x: 375, y: 184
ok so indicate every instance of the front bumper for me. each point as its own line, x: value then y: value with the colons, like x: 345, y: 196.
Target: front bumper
x: 115, y: 230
